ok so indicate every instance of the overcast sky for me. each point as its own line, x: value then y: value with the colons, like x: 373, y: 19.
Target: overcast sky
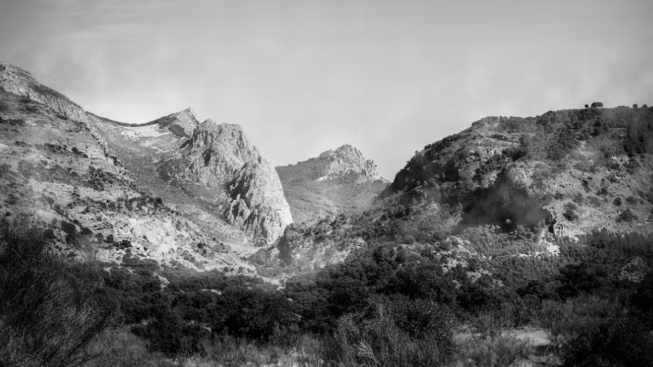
x: 306, y: 76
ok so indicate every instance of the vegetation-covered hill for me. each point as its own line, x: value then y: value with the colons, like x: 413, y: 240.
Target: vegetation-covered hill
x: 576, y: 170
x: 340, y: 181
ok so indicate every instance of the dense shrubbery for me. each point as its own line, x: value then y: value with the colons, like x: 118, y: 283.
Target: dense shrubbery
x: 48, y: 316
x: 392, y: 302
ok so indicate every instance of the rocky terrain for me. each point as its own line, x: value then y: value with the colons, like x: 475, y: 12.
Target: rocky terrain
x: 174, y: 189
x: 557, y: 177
x: 337, y: 181
x: 574, y: 170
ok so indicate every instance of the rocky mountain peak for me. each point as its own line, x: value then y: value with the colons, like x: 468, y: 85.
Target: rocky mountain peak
x: 224, y: 147
x: 347, y: 159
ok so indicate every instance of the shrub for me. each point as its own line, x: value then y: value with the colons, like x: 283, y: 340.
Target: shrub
x: 594, y: 201
x: 627, y: 216
x: 578, y: 199
x: 171, y: 335
x: 495, y: 351
x: 570, y: 212
x: 617, y: 201
x: 612, y: 342
x: 254, y: 314
x: 47, y: 316
x: 377, y: 336
x: 643, y: 299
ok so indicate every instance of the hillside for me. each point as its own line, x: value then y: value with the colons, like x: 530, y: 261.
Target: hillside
x: 575, y: 170
x: 173, y: 190
x: 340, y: 181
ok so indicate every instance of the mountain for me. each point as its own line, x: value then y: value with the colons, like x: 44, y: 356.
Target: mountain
x: 522, y: 186
x: 340, y: 181
x: 575, y: 170
x: 173, y: 190
x: 214, y: 165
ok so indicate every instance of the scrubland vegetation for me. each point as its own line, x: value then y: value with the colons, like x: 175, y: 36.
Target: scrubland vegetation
x: 397, y: 302
x: 457, y: 286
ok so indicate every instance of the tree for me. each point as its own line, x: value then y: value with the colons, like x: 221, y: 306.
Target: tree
x: 48, y: 317
x: 597, y: 104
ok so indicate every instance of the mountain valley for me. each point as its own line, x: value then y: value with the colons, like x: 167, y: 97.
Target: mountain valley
x: 516, y: 242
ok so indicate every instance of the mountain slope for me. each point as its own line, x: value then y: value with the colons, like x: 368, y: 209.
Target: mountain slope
x: 504, y: 188
x: 577, y: 170
x: 340, y: 181
x: 211, y: 164
x: 111, y: 190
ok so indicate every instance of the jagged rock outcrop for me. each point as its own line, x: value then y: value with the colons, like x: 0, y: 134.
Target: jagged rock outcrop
x: 344, y: 160
x: 221, y: 156
x: 340, y: 181
x: 210, y: 163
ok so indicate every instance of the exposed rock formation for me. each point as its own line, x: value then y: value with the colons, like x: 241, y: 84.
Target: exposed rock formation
x: 220, y: 155
x: 173, y: 190
x: 347, y: 159
x: 20, y: 82
x: 511, y: 171
x: 340, y: 181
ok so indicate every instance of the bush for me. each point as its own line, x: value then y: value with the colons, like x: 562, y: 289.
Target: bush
x: 617, y: 201
x: 570, y: 212
x: 47, y: 316
x: 627, y: 216
x: 612, y: 342
x: 172, y: 336
x: 377, y: 335
x: 254, y: 314
x: 495, y: 351
x: 578, y: 199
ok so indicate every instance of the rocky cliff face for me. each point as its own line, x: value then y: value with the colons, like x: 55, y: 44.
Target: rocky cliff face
x: 214, y: 165
x: 340, y: 181
x: 221, y: 156
x: 173, y: 190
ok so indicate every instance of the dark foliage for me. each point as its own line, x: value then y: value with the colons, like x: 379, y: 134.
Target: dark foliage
x: 48, y: 315
x: 610, y: 343
x: 505, y: 205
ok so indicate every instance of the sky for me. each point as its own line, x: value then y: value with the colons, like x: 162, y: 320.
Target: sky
x: 303, y: 77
